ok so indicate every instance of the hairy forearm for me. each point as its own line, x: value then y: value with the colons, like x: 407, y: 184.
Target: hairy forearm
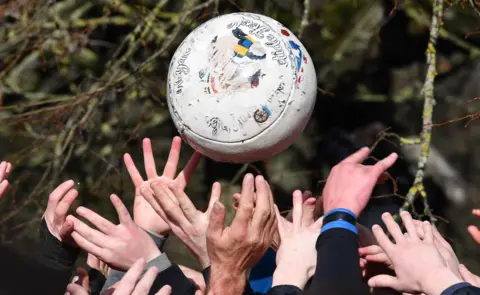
x: 225, y: 282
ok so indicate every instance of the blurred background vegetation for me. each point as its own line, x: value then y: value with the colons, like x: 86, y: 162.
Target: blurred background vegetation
x: 82, y: 82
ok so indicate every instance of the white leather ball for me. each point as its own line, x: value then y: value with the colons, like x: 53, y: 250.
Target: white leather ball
x: 241, y: 88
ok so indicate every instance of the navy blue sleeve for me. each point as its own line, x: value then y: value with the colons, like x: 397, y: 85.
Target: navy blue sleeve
x: 461, y: 289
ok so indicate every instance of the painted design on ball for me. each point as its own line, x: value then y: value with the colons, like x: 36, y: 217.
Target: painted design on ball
x: 234, y: 62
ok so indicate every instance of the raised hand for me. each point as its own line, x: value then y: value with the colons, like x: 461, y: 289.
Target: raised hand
x: 59, y: 202
x: 143, y: 214
x: 297, y: 255
x: 308, y: 208
x: 350, y: 184
x: 5, y: 169
x: 418, y: 265
x: 117, y: 245
x: 473, y: 230
x: 187, y: 223
x: 235, y: 249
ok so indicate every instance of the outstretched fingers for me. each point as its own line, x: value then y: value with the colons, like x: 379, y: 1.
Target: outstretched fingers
x: 171, y: 166
x: 148, y: 159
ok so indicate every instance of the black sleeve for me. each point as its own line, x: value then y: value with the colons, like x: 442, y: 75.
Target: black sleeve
x: 338, y: 269
x: 56, y: 256
x: 174, y: 277
x: 23, y: 275
x: 285, y: 290
x: 97, y: 280
x: 53, y: 253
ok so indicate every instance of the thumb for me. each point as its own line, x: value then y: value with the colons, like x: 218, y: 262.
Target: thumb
x: 217, y: 221
x: 384, y: 281
x: 66, y: 229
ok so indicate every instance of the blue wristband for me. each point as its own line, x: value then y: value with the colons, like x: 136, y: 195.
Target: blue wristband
x: 341, y: 210
x: 340, y: 224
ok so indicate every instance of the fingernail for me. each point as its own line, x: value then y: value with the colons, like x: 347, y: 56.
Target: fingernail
x: 81, y: 210
x: 260, y: 178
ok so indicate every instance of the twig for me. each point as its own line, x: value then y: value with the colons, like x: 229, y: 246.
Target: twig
x: 304, y: 23
x: 474, y: 6
x: 429, y: 102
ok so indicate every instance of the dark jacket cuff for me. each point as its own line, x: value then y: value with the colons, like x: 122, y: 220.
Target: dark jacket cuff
x: 461, y: 289
x: 54, y: 253
x: 174, y: 277
x: 97, y: 280
x: 285, y: 290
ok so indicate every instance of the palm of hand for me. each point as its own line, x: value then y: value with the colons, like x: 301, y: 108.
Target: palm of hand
x: 125, y: 249
x: 144, y: 215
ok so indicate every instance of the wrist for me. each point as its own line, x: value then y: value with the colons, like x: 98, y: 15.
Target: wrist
x: 154, y: 253
x: 435, y: 282
x: 293, y: 274
x: 340, y: 218
x: 204, y: 261
x: 341, y: 209
x: 226, y: 280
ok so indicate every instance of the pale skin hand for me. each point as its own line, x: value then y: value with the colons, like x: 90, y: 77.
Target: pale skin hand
x: 143, y: 213
x: 418, y: 265
x: 375, y: 253
x: 350, y: 184
x: 117, y: 245
x: 235, y: 249
x: 189, y: 224
x: 131, y: 284
x: 59, y: 202
x: 5, y: 169
x: 473, y: 230
x: 297, y: 255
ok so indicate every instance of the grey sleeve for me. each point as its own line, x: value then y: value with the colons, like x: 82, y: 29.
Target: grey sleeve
x: 161, y: 262
x: 159, y: 241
